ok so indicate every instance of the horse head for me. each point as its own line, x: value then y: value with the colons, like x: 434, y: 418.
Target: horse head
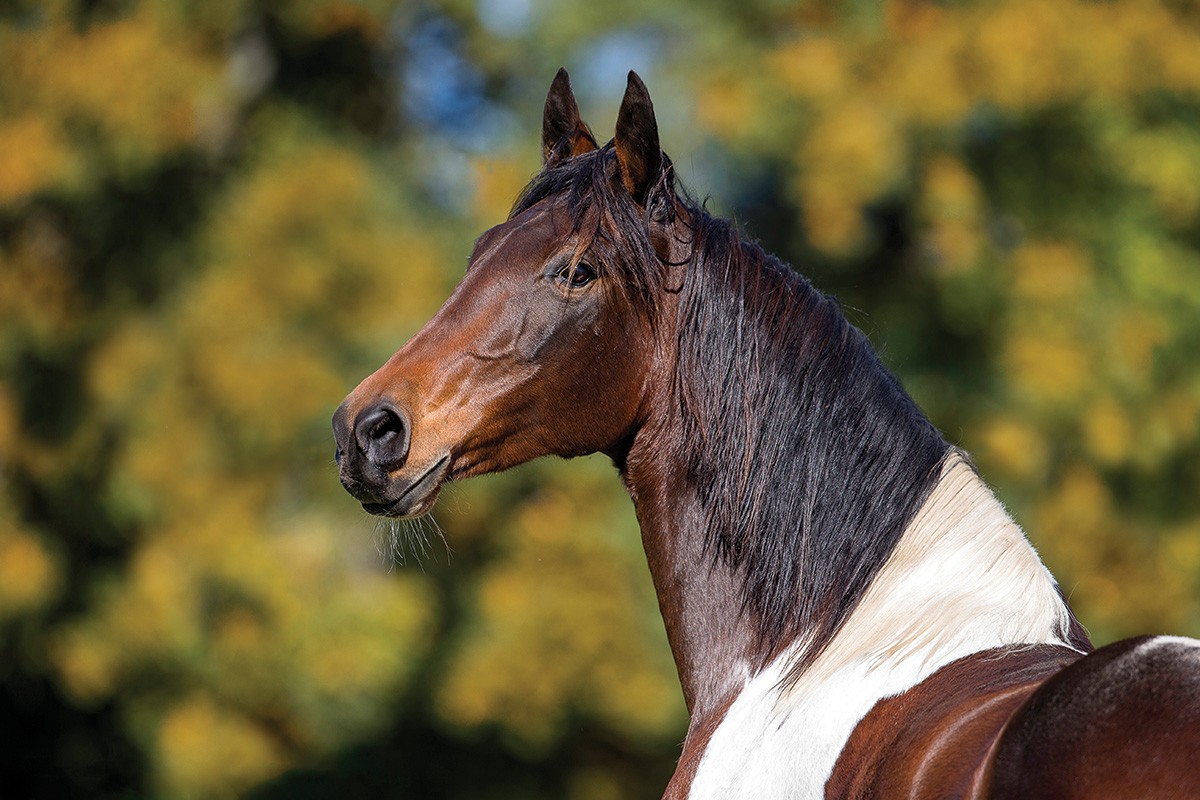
x: 546, y: 347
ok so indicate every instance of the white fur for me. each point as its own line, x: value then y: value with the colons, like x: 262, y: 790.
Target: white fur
x: 962, y: 579
x: 1155, y: 642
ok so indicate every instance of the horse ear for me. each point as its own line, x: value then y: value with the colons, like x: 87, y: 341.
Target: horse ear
x: 636, y: 140
x: 564, y: 134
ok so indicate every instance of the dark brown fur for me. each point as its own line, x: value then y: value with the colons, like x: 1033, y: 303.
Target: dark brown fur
x: 1035, y: 722
x: 933, y: 741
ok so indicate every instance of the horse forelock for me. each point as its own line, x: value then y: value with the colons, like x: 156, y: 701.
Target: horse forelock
x: 604, y: 216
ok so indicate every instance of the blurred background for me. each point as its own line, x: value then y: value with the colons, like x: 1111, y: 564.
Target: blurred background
x: 217, y: 217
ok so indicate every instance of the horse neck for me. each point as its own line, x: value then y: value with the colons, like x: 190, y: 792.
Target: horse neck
x: 824, y: 498
x: 710, y: 635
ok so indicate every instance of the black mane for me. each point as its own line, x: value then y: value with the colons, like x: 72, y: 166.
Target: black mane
x: 808, y: 457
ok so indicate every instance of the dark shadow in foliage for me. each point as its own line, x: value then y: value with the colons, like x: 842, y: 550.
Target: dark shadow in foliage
x: 50, y: 749
x: 416, y: 759
x: 340, y: 76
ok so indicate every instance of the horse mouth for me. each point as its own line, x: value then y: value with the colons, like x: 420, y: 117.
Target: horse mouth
x: 418, y: 497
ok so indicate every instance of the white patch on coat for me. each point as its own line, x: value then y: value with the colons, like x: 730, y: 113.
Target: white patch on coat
x: 962, y: 578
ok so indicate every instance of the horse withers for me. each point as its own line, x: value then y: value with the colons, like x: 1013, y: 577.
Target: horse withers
x: 852, y: 612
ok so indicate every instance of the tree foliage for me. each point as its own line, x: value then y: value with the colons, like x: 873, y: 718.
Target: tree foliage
x: 216, y: 217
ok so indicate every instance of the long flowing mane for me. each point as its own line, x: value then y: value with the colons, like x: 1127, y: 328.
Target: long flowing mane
x: 807, y: 456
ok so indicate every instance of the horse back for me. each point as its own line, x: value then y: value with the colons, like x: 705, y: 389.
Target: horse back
x: 1124, y: 722
x: 933, y: 741
x: 1021, y: 723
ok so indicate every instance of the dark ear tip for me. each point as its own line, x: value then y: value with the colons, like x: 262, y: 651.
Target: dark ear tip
x: 561, y: 100
x: 561, y: 123
x: 636, y: 140
x: 635, y: 87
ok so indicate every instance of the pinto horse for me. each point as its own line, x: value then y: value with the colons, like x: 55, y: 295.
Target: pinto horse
x: 852, y: 612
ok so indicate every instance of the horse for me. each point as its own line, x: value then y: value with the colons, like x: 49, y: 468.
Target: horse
x: 852, y: 612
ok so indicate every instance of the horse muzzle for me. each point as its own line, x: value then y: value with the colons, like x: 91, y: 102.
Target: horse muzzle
x: 373, y: 448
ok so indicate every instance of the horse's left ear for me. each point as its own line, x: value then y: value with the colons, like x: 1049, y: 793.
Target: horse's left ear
x: 564, y: 133
x: 636, y: 140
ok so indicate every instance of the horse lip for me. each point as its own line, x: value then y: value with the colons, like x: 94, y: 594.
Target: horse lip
x: 398, y: 507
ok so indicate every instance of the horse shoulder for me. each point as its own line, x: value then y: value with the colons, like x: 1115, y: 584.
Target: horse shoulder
x: 933, y: 740
x: 1123, y: 722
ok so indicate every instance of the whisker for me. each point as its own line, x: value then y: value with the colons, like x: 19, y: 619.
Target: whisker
x: 419, y: 537
x: 441, y: 535
x: 396, y: 540
x: 387, y: 542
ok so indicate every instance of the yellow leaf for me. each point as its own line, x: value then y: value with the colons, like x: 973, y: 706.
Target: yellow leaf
x: 28, y: 574
x: 1051, y: 271
x: 1107, y: 432
x: 33, y: 157
x: 206, y: 749
x: 812, y: 68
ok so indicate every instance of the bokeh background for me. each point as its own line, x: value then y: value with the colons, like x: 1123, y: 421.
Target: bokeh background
x: 216, y: 217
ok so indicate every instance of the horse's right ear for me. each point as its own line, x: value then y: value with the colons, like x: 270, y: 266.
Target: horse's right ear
x: 564, y: 134
x: 636, y: 140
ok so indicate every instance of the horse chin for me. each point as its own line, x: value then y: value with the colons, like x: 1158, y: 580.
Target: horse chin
x: 405, y: 509
x: 417, y: 498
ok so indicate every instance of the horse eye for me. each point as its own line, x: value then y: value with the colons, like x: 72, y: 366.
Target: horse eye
x: 576, y: 277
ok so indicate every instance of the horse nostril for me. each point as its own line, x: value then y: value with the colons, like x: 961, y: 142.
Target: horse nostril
x: 382, y: 435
